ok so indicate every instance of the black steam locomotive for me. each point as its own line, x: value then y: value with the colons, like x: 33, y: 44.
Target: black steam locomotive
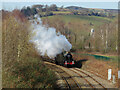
x: 64, y: 59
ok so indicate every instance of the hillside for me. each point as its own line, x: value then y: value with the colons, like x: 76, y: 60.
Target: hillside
x: 78, y: 28
x: 76, y: 8
x: 81, y: 8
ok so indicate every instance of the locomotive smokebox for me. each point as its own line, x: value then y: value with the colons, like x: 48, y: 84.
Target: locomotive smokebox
x: 64, y: 59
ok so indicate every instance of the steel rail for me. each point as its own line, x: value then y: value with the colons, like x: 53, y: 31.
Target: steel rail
x: 64, y: 77
x: 90, y: 77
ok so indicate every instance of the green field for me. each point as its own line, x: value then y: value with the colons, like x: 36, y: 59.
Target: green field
x: 85, y: 19
x: 79, y: 17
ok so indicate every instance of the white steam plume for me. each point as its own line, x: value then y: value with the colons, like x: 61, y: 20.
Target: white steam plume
x: 47, y: 41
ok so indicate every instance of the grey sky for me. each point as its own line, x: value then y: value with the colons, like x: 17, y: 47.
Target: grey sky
x: 103, y: 5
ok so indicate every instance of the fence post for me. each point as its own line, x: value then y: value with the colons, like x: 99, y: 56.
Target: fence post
x: 109, y: 74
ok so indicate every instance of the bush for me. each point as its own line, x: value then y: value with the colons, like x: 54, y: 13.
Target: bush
x: 30, y: 73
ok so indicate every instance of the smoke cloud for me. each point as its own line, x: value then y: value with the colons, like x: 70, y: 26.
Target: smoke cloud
x: 47, y: 41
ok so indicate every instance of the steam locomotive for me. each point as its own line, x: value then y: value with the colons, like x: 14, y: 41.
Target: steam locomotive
x: 65, y: 60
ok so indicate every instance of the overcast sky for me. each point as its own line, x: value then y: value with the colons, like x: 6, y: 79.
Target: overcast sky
x: 60, y: 0
x: 104, y: 4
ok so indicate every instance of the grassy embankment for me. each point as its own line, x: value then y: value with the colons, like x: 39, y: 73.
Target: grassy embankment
x: 22, y: 67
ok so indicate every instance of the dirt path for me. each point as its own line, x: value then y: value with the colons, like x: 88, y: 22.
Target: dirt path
x: 75, y: 78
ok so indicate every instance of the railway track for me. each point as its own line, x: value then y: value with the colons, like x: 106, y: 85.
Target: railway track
x: 92, y: 82
x: 75, y: 78
x: 69, y: 81
x: 101, y: 83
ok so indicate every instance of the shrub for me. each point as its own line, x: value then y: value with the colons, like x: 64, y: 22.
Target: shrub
x: 30, y: 73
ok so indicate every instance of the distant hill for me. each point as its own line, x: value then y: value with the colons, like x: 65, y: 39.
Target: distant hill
x: 111, y: 10
x: 81, y: 8
x: 76, y: 8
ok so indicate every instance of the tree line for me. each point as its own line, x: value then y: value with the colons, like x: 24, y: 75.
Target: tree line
x: 45, y: 10
x: 42, y: 10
